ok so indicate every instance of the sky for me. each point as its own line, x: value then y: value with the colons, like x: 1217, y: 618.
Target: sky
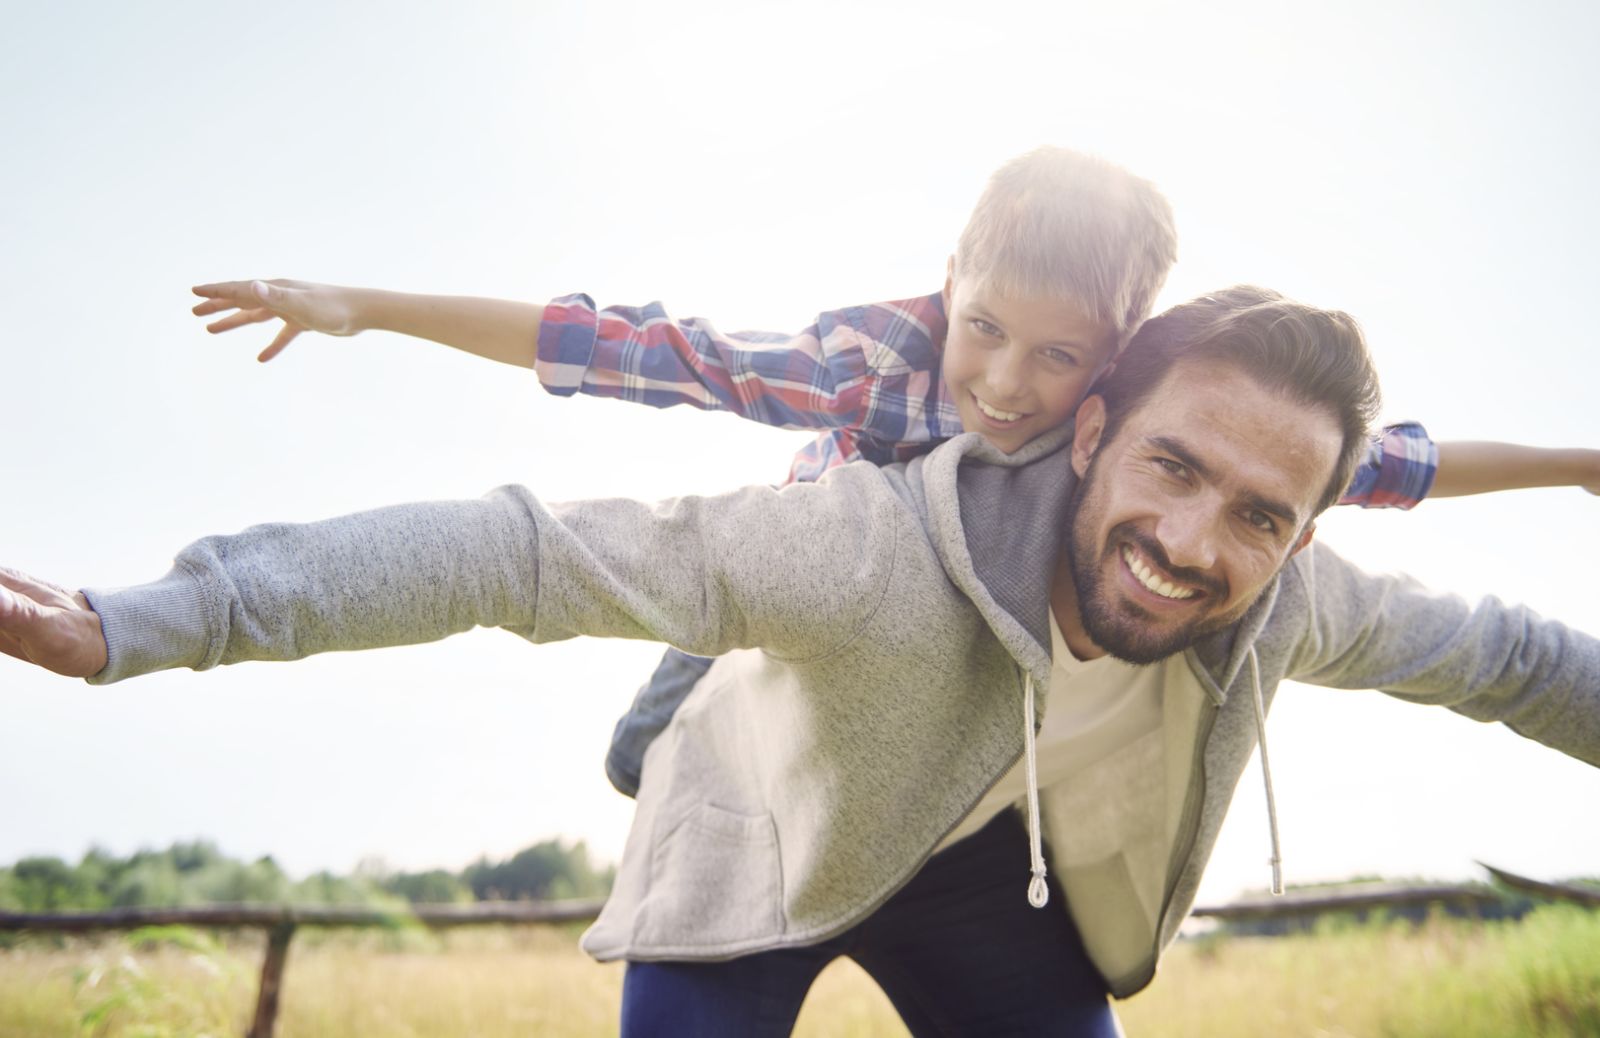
x: 1426, y: 167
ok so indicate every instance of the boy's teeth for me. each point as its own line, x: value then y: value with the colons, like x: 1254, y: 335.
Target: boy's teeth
x: 1164, y: 588
x: 997, y: 414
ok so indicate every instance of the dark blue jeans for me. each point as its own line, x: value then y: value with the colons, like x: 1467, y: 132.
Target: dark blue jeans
x: 958, y: 950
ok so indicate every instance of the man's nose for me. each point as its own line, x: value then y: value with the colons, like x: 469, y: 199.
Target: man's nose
x: 1188, y: 533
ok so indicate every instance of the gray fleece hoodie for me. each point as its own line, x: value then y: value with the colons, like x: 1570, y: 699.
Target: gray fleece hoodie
x: 898, y: 615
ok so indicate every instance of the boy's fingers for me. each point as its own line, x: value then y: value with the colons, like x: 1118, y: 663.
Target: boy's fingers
x: 211, y: 306
x: 230, y: 289
x: 285, y: 336
x: 240, y: 319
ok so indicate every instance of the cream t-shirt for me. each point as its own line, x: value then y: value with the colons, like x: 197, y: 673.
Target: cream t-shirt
x: 1093, y: 709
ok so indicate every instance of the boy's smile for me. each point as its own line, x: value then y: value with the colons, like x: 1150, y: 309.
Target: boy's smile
x: 1016, y: 368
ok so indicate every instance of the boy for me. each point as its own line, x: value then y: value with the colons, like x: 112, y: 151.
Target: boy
x: 1057, y: 267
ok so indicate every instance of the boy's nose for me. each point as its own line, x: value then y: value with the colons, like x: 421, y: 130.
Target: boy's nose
x: 1007, y: 377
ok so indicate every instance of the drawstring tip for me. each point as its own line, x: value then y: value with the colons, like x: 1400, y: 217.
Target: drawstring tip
x: 1038, y: 892
x: 1277, y: 878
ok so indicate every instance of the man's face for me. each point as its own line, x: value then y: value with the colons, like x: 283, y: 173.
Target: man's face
x: 1181, y: 519
x: 1017, y: 368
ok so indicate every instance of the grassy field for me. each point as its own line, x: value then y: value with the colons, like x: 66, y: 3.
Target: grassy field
x: 1537, y: 978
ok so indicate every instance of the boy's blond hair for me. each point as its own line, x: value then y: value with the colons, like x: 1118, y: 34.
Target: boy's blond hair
x: 1062, y: 224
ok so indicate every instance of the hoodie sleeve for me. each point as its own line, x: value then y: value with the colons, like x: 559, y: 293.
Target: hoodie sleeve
x: 790, y: 571
x: 1488, y: 661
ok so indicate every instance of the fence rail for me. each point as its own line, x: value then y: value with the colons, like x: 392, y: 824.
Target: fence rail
x: 280, y: 922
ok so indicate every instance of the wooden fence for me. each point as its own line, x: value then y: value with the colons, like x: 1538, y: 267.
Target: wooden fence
x: 281, y: 923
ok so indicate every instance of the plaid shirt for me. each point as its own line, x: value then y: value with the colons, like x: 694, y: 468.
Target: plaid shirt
x: 866, y: 376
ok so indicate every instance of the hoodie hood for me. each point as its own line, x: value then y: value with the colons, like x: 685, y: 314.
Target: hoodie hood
x: 996, y: 521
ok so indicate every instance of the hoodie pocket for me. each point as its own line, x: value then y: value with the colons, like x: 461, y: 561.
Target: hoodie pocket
x: 715, y: 882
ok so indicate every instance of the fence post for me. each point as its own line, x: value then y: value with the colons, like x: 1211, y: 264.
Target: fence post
x: 271, y: 980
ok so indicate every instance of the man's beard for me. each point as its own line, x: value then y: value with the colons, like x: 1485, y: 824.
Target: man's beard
x: 1124, y: 629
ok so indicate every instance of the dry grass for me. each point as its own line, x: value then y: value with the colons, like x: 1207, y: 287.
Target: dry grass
x: 488, y: 982
x: 1536, y: 979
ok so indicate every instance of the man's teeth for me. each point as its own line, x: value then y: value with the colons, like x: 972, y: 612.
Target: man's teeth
x: 997, y: 414
x: 1163, y: 588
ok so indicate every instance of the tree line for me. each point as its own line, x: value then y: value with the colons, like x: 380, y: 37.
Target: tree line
x: 198, y: 873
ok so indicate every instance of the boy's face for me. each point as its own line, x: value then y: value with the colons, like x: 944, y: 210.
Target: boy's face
x: 1017, y: 368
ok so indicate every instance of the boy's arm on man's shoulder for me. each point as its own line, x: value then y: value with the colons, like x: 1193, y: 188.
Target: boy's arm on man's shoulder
x: 782, y: 571
x: 865, y: 366
x: 1489, y: 661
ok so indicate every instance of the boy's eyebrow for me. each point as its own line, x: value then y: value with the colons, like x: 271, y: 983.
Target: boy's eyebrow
x: 1272, y: 506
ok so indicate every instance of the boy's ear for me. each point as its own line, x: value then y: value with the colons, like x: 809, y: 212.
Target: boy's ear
x: 949, y: 283
x: 1088, y: 425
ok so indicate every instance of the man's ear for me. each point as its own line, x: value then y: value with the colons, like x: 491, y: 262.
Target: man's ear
x: 949, y: 283
x: 1304, y: 539
x: 1088, y: 425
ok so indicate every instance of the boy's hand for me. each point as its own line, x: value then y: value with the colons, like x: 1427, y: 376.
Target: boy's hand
x: 49, y: 626
x: 301, y: 306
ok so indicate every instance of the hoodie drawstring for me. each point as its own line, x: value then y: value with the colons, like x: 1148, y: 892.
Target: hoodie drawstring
x: 1266, y: 770
x: 1038, y: 891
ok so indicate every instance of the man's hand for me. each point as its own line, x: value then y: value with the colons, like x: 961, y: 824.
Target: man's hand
x: 300, y: 305
x: 49, y: 626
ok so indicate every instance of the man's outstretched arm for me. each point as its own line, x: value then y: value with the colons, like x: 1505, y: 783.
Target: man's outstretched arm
x: 1486, y: 660
x: 788, y: 571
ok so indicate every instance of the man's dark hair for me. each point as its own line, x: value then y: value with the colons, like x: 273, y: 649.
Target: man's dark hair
x: 1318, y: 357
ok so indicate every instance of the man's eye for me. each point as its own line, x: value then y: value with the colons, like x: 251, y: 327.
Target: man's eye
x: 1261, y: 521
x: 1170, y: 467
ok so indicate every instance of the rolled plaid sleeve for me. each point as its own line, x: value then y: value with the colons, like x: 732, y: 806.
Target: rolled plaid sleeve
x: 818, y: 379
x: 1398, y: 469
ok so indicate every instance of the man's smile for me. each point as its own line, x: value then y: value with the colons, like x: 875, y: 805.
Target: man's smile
x: 1150, y: 578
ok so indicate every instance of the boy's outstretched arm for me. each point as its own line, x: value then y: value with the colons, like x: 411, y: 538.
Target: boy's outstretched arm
x: 1477, y: 467
x: 870, y: 370
x: 496, y: 329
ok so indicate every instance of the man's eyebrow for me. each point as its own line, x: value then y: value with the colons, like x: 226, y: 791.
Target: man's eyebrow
x: 1271, y: 506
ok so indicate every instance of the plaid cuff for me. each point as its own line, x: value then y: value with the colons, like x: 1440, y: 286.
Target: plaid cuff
x: 1397, y: 471
x: 566, y: 343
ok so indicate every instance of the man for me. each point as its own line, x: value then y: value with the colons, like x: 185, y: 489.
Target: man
x: 843, y: 790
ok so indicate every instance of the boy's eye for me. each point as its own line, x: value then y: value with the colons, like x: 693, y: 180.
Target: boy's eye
x: 1062, y: 357
x: 985, y: 328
